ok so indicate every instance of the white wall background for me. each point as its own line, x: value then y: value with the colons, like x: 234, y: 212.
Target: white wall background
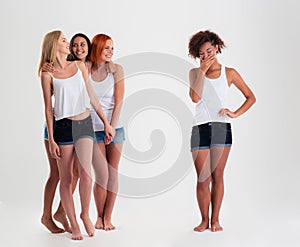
x: 261, y: 205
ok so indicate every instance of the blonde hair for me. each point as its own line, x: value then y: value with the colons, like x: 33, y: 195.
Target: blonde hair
x: 48, y: 54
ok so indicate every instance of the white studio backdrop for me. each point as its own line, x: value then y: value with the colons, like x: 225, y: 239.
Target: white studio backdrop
x: 261, y: 38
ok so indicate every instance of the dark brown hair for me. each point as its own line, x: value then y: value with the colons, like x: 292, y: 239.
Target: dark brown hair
x: 198, y: 39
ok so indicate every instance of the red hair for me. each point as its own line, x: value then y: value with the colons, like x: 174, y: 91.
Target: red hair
x: 98, y: 44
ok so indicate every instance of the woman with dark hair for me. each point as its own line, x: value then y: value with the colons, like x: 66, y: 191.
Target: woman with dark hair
x: 80, y: 48
x: 211, y: 137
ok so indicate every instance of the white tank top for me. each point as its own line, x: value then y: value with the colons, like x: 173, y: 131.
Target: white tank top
x: 105, y: 93
x: 213, y: 99
x: 71, y: 97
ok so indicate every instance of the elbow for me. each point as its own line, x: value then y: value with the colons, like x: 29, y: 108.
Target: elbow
x: 253, y: 99
x: 195, y: 98
x: 48, y: 111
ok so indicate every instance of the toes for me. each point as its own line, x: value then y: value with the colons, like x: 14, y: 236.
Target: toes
x: 77, y: 237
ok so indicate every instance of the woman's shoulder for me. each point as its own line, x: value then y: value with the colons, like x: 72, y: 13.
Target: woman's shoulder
x: 193, y: 71
x: 114, y: 67
x: 119, y: 72
x: 118, y: 67
x: 230, y: 71
x: 231, y: 74
x: 79, y: 63
x: 82, y: 66
x: 46, y: 75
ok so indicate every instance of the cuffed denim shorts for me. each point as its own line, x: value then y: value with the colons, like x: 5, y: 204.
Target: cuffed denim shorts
x: 119, y: 136
x: 69, y: 131
x: 205, y: 136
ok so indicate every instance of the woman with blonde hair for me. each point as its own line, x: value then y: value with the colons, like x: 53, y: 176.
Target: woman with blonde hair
x: 80, y: 49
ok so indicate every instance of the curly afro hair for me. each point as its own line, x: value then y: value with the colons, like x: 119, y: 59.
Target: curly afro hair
x: 198, y: 39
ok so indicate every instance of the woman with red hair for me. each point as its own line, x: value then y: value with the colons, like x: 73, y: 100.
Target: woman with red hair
x: 108, y: 85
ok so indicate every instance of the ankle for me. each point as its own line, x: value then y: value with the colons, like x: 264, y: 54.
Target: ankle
x: 46, y: 217
x: 214, y: 221
x: 205, y: 220
x: 84, y: 216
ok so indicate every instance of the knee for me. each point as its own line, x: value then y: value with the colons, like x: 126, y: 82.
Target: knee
x: 66, y: 181
x: 112, y: 181
x: 217, y: 178
x: 203, y: 185
x: 75, y: 174
x: 85, y: 176
x: 102, y: 180
x: 53, y: 178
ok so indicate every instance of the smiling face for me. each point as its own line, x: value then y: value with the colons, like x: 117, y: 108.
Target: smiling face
x: 63, y: 45
x: 108, y: 51
x: 80, y: 48
x: 207, y: 50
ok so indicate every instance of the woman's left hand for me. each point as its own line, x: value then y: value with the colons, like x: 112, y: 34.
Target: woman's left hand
x: 227, y: 112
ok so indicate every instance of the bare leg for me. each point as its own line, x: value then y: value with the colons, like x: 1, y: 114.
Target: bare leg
x: 84, y: 150
x: 101, y: 177
x: 65, y: 166
x: 49, y: 193
x: 219, y: 157
x: 113, y: 154
x: 60, y: 214
x: 202, y: 165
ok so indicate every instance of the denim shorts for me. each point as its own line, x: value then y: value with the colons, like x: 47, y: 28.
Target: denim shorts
x: 119, y: 136
x: 205, y: 136
x: 69, y: 131
x: 46, y: 129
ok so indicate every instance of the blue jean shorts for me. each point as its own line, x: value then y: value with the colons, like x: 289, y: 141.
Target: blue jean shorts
x: 208, y: 135
x: 119, y: 136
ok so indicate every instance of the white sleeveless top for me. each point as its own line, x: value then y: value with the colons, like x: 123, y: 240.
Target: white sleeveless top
x: 105, y: 93
x: 71, y: 97
x: 213, y: 99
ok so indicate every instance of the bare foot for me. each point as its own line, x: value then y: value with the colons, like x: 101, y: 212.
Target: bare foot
x: 108, y: 226
x: 76, y: 234
x: 62, y: 218
x: 99, y: 224
x: 216, y: 227
x: 89, y: 227
x: 51, y: 226
x: 202, y: 227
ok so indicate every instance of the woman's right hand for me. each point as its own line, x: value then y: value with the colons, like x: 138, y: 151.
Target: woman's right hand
x: 206, y: 63
x: 48, y: 67
x: 109, y: 134
x: 54, y: 150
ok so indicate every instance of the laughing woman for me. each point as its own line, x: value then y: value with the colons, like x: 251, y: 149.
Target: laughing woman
x: 211, y: 138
